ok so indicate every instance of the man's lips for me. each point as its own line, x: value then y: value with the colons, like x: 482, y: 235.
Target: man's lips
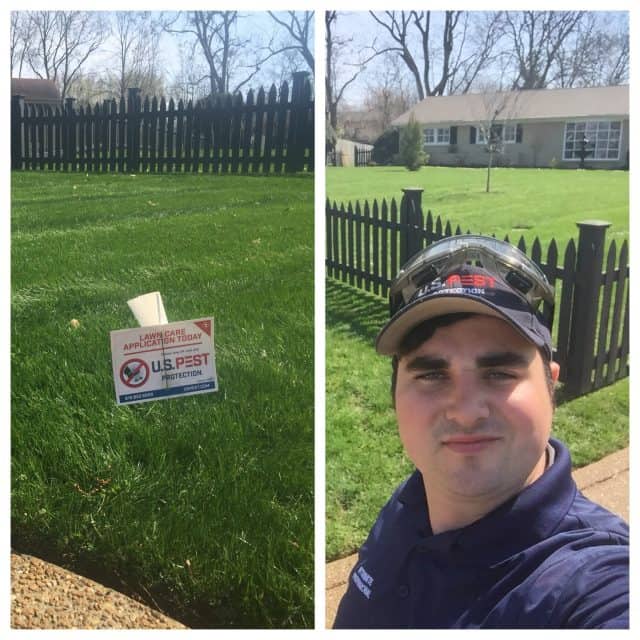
x: 469, y: 444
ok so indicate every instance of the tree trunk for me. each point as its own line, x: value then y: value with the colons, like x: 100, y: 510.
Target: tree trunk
x: 488, y: 188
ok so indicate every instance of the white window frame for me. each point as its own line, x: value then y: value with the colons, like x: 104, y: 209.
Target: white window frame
x: 506, y: 128
x: 513, y: 130
x: 603, y: 143
x: 439, y: 136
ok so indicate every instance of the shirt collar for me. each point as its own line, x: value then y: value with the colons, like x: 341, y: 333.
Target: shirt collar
x: 523, y: 520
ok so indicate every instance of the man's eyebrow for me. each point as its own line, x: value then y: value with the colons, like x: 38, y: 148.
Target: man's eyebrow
x: 503, y: 359
x: 423, y: 363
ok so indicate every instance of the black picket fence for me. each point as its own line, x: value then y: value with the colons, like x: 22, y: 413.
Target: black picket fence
x: 366, y: 246
x: 362, y: 157
x: 266, y: 133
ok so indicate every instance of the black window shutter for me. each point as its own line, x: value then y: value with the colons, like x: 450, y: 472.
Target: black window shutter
x: 472, y: 135
x: 518, y: 133
x: 453, y: 135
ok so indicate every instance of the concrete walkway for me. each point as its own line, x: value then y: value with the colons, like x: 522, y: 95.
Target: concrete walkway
x: 605, y: 482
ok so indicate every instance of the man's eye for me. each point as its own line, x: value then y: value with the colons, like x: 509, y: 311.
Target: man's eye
x: 432, y: 375
x: 496, y: 374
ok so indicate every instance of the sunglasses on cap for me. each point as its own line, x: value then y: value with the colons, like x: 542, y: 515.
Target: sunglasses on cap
x: 496, y: 256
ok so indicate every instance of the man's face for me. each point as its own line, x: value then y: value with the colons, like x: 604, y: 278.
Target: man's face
x: 474, y: 410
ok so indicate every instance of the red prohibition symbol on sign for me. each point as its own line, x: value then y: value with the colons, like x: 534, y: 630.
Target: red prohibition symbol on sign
x: 134, y: 373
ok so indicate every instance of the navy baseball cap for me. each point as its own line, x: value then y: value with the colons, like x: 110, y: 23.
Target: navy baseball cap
x: 465, y: 289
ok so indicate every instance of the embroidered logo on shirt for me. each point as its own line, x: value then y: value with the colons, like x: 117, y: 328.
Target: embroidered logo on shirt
x: 363, y: 581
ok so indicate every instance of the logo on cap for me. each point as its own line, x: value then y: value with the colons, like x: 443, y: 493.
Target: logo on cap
x: 459, y: 283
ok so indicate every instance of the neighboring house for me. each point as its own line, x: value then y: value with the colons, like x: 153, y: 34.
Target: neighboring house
x: 36, y: 91
x: 346, y: 151
x: 535, y: 128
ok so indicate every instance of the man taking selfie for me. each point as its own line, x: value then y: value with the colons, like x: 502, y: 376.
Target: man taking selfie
x: 490, y: 530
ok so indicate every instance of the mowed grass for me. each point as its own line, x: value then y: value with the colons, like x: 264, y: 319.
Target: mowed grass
x: 203, y: 505
x: 543, y: 203
x: 365, y: 460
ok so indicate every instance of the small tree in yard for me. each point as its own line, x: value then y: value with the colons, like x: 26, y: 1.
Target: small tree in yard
x: 411, y: 153
x: 493, y: 147
x: 499, y: 111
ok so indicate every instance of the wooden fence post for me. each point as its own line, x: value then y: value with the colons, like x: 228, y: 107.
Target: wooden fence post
x: 17, y: 109
x: 68, y: 135
x: 411, y: 219
x: 586, y: 296
x: 133, y: 133
x: 297, y: 134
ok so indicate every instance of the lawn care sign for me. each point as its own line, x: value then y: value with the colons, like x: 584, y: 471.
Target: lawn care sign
x: 164, y: 361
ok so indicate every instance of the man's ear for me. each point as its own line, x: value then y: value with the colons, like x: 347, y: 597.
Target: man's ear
x: 555, y: 371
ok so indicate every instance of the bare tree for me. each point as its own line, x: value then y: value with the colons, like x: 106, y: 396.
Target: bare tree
x: 496, y: 126
x: 598, y: 54
x: 137, y: 53
x: 62, y: 43
x: 191, y: 81
x: 477, y: 50
x: 576, y: 56
x: 616, y: 49
x: 233, y: 60
x: 21, y: 36
x: 388, y: 95
x: 331, y: 98
x: 536, y: 39
x: 214, y: 35
x: 298, y: 28
x: 340, y: 74
x: 438, y: 55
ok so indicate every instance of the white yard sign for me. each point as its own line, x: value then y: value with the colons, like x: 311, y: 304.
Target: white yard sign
x: 164, y: 361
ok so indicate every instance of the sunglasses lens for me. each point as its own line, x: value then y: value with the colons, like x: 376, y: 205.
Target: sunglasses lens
x: 426, y: 276
x: 516, y: 269
x: 519, y: 282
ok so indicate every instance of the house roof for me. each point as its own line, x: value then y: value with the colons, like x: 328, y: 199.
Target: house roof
x: 532, y: 104
x: 35, y: 90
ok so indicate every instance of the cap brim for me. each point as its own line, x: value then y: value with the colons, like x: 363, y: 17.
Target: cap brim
x: 392, y: 334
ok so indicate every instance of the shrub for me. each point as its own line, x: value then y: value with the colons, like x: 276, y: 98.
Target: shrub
x: 411, y: 152
x: 386, y: 146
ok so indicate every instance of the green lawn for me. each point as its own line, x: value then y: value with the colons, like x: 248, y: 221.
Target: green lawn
x: 530, y: 202
x: 364, y: 456
x: 202, y: 504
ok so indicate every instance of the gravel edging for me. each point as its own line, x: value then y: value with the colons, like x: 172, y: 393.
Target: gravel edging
x: 46, y: 596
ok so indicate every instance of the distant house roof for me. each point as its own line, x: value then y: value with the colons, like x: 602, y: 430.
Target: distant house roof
x: 35, y: 90
x: 532, y: 104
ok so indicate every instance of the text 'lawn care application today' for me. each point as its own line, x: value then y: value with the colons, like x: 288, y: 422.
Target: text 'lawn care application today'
x: 164, y: 360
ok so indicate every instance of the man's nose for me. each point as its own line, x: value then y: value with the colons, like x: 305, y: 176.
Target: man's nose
x: 467, y: 403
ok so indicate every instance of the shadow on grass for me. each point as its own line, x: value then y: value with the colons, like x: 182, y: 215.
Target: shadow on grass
x: 560, y: 396
x: 351, y: 310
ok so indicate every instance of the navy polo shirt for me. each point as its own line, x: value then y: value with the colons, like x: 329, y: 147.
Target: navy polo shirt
x: 547, y: 558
